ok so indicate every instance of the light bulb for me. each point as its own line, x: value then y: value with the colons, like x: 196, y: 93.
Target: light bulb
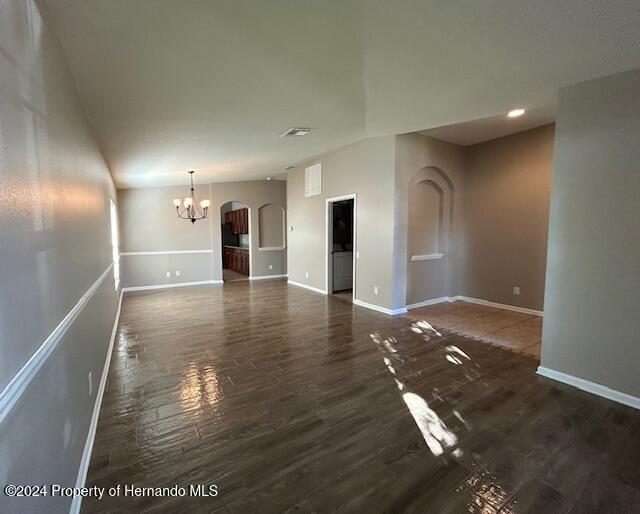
x: 204, y: 204
x: 177, y: 202
x: 516, y: 113
x: 188, y: 202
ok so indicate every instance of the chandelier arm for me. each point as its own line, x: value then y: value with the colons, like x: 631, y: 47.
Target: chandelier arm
x: 192, y: 212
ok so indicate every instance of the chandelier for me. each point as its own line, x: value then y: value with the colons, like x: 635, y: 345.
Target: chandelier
x: 189, y: 210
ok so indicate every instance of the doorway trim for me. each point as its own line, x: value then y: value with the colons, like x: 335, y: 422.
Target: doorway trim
x: 329, y: 222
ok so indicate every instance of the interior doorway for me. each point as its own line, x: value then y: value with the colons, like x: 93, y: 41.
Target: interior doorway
x: 236, y: 241
x: 341, y: 246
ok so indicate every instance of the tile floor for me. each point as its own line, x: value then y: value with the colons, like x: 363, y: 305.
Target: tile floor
x: 232, y: 276
x: 509, y: 329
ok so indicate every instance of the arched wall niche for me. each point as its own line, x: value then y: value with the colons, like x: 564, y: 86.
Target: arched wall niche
x: 430, y: 208
x: 271, y: 227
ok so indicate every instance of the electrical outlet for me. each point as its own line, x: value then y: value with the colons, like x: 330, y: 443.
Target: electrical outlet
x: 168, y: 274
x: 90, y: 378
x: 375, y: 290
x: 516, y: 290
x: 177, y: 273
x: 270, y: 266
x: 306, y: 274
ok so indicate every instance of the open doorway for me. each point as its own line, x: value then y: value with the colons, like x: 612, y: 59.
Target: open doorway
x: 341, y: 251
x: 236, y: 241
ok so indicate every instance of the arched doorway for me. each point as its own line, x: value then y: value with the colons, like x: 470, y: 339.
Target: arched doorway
x: 236, y: 241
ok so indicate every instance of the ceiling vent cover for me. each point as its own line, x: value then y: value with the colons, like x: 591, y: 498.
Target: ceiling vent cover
x: 296, y: 132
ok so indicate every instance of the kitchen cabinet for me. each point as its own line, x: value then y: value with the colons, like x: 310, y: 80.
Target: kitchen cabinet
x: 236, y: 259
x: 239, y: 220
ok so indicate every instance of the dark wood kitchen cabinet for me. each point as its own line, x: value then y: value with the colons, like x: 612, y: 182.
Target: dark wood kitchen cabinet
x: 236, y: 259
x: 239, y: 220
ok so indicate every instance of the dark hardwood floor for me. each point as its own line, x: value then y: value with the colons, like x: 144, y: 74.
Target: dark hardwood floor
x: 290, y: 401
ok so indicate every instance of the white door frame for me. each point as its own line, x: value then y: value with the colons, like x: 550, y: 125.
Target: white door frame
x: 328, y: 283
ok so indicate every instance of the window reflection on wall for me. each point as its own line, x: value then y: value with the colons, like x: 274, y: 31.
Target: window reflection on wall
x: 114, y: 243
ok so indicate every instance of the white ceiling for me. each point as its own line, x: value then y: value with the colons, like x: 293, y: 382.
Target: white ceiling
x: 210, y: 85
x: 478, y: 131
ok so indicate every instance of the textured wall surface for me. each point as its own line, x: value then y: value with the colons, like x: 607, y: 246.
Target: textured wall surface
x: 366, y: 169
x: 55, y: 233
x: 148, y: 223
x: 419, y: 158
x: 507, y: 212
x: 592, y: 292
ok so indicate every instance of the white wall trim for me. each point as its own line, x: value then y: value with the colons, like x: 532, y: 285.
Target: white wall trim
x: 478, y: 301
x: 16, y: 387
x: 427, y: 257
x: 433, y: 301
x: 266, y: 277
x: 166, y: 252
x: 168, y: 286
x: 384, y: 310
x: 271, y: 248
x: 590, y: 387
x: 499, y: 305
x: 310, y: 288
x: 91, y: 435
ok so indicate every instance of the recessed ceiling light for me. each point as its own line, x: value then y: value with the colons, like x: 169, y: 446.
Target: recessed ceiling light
x: 515, y: 113
x: 287, y: 168
x: 268, y: 178
x: 296, y: 132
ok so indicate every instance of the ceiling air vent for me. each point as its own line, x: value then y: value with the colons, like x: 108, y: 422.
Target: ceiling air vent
x: 296, y: 132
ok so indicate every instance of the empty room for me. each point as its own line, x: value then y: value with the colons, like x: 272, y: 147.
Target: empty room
x: 335, y: 256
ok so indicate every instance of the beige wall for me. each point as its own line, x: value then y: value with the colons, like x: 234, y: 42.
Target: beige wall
x: 592, y: 298
x: 254, y: 194
x: 55, y: 244
x: 506, y: 208
x: 148, y: 223
x: 366, y: 169
x: 271, y: 219
x: 419, y: 158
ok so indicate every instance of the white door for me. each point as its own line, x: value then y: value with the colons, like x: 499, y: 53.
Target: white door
x: 342, y: 270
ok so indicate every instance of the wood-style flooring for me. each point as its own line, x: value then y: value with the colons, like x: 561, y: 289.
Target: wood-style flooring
x: 514, y: 330
x: 291, y: 401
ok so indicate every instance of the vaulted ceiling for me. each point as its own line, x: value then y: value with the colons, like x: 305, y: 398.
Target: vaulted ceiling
x: 173, y: 85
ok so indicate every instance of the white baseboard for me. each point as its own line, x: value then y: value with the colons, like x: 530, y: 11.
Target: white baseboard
x: 478, y: 301
x: 433, y: 301
x: 266, y: 277
x: 310, y: 288
x: 524, y: 310
x: 590, y: 387
x: 384, y: 310
x: 168, y: 286
x: 91, y: 435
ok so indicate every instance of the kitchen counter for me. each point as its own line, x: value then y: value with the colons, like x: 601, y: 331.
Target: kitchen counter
x: 237, y: 247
